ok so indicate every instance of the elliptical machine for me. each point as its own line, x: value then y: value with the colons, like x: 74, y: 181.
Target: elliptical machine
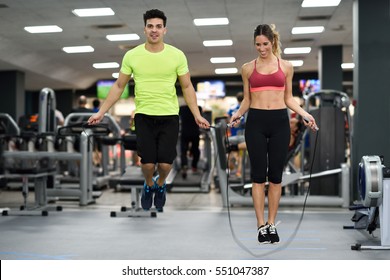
x: 374, y: 209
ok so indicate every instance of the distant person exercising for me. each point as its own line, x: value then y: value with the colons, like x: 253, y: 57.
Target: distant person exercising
x: 189, y: 140
x: 82, y: 105
x: 237, y: 137
x: 239, y: 129
x: 155, y: 67
x: 267, y: 87
x: 96, y: 105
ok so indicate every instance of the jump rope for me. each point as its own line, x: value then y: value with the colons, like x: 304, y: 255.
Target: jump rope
x: 291, y: 238
x: 235, y: 238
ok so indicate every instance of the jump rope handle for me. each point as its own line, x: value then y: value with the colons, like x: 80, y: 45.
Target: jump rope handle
x: 307, y: 121
x: 235, y: 121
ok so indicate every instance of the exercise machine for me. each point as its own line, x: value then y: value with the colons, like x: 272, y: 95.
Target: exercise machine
x: 41, y: 169
x: 16, y: 165
x: 330, y: 108
x: 239, y: 197
x: 373, y: 210
x: 71, y: 143
x: 331, y: 177
x: 198, y: 181
x: 82, y: 189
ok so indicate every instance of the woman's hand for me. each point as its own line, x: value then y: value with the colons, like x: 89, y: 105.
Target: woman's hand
x: 310, y: 122
x: 235, y: 119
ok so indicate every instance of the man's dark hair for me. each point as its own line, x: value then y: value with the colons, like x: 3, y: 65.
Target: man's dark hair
x: 96, y: 103
x: 154, y: 13
x: 240, y: 96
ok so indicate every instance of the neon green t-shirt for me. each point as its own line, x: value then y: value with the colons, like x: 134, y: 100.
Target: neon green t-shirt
x: 155, y: 75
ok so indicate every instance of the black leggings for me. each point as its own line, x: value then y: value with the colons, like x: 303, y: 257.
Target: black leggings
x: 267, y: 135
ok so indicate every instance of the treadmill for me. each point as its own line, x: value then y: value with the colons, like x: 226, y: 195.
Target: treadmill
x: 199, y: 181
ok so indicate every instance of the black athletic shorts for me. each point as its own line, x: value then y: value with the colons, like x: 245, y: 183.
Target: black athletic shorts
x: 157, y: 138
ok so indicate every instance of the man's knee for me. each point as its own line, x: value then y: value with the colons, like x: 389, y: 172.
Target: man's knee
x: 164, y: 166
x: 148, y: 166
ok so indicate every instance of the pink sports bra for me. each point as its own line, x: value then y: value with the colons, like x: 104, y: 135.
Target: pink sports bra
x: 260, y: 82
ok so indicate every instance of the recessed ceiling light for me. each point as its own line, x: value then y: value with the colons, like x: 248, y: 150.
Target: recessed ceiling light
x: 222, y: 59
x: 105, y: 65
x: 217, y: 43
x: 348, y: 65
x: 78, y: 49
x: 320, y: 3
x: 307, y: 29
x: 115, y: 75
x: 297, y: 50
x: 43, y: 29
x: 211, y: 21
x: 96, y: 12
x: 226, y: 70
x: 296, y: 63
x: 123, y: 37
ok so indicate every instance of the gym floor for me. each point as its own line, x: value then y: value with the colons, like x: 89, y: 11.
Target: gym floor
x: 193, y: 226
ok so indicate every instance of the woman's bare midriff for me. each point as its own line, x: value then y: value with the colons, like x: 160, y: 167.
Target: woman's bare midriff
x: 268, y: 100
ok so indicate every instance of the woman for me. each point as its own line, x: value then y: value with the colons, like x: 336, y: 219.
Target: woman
x: 267, y: 82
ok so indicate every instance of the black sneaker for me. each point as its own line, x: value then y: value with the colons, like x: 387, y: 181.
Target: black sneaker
x: 160, y: 195
x: 262, y: 235
x: 146, y: 197
x: 273, y: 234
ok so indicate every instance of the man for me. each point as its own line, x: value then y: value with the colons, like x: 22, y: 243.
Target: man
x: 96, y: 105
x: 189, y: 140
x: 155, y: 67
x: 82, y: 105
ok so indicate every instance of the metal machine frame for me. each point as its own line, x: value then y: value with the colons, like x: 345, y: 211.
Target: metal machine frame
x: 342, y: 200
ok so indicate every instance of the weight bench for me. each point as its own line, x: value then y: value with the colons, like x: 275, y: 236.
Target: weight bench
x: 40, y: 207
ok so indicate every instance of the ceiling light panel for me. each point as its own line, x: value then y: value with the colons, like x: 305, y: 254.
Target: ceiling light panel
x: 222, y: 59
x: 123, y: 37
x: 43, y: 29
x: 348, y: 65
x: 297, y: 50
x: 105, y: 65
x: 307, y: 30
x: 96, y: 12
x: 78, y: 49
x: 320, y: 3
x: 226, y: 71
x: 296, y: 63
x: 211, y: 21
x: 217, y: 43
